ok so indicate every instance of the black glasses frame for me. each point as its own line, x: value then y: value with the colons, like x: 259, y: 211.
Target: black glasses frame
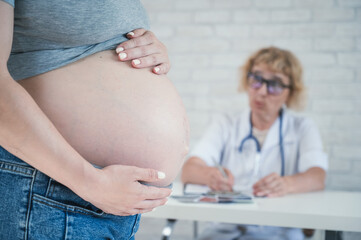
x: 267, y: 81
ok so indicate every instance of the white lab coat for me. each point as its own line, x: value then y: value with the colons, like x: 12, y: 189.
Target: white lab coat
x: 301, y: 142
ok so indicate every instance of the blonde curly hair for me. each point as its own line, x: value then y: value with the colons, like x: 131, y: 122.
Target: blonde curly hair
x: 280, y: 61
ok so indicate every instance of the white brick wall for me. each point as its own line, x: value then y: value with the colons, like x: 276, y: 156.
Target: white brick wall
x: 209, y: 39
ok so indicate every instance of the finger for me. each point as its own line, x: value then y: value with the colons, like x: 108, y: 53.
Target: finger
x: 229, y: 187
x: 217, y: 176
x: 259, y: 183
x: 273, y: 184
x: 224, y: 187
x: 139, y: 211
x: 149, y: 61
x: 267, y: 191
x: 219, y: 185
x: 216, y: 179
x: 143, y: 207
x: 278, y: 193
x: 161, y: 68
x: 136, y: 33
x: 147, y: 174
x: 275, y: 194
x: 145, y: 39
x: 277, y: 190
x: 270, y: 178
x: 149, y: 204
x: 223, y: 181
x: 260, y: 188
x: 230, y: 176
x: 153, y: 193
x: 133, y: 34
x: 262, y: 193
x: 138, y: 52
x: 130, y: 212
x: 263, y: 182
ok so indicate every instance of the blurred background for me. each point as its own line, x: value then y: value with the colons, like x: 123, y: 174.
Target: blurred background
x: 208, y: 40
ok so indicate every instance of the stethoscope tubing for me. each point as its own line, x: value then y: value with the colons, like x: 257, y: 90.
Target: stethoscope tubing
x: 250, y: 136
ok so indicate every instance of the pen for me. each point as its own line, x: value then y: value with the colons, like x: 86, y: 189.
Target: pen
x: 220, y: 168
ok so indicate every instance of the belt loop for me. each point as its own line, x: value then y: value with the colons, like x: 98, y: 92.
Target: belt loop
x: 41, y: 183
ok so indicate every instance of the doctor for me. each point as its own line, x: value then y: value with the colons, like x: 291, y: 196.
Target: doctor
x: 265, y: 150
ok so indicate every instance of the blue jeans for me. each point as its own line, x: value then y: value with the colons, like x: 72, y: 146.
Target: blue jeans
x: 34, y: 206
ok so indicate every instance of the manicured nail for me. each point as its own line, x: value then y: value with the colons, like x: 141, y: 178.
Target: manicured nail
x: 122, y: 56
x: 119, y: 49
x: 136, y: 61
x: 260, y: 194
x: 161, y: 175
x: 156, y: 69
x: 130, y: 33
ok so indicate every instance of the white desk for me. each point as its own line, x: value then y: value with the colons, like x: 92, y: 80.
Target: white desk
x: 328, y: 210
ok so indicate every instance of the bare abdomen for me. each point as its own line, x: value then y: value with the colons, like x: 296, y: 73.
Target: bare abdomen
x: 112, y: 113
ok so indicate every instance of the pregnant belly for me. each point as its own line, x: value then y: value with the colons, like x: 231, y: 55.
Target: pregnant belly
x: 112, y: 113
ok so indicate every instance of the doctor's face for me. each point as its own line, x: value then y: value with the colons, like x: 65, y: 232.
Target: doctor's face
x: 267, y: 90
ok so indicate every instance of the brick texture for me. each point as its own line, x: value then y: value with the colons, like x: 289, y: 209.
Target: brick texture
x: 208, y: 40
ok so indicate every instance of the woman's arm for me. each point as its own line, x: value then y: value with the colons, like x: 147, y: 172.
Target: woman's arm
x: 26, y: 132
x: 311, y: 180
x: 196, y: 171
x: 274, y: 185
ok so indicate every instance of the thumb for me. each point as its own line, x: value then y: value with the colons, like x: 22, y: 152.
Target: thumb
x: 148, y: 175
x: 136, y: 33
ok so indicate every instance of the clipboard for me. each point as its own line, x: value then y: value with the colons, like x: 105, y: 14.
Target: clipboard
x: 214, y: 197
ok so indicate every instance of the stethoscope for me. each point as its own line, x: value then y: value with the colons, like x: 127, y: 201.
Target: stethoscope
x: 258, y: 146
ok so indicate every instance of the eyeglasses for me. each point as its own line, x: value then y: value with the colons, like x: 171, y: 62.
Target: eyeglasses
x: 274, y: 87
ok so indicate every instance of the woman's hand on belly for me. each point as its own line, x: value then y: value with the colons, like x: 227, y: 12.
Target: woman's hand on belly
x: 116, y: 190
x: 145, y: 50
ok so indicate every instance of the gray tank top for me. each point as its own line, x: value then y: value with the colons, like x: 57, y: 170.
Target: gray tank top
x: 51, y: 34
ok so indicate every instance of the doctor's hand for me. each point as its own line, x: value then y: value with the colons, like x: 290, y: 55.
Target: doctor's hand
x: 116, y: 189
x: 144, y: 50
x: 272, y: 185
x: 217, y: 182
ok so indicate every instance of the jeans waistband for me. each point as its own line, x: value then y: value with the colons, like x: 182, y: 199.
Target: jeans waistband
x: 40, y: 179
x: 40, y: 182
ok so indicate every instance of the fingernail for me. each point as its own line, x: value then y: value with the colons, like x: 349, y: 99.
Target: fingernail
x: 136, y: 61
x: 122, y: 56
x: 156, y: 69
x: 119, y: 49
x: 130, y: 33
x: 161, y: 175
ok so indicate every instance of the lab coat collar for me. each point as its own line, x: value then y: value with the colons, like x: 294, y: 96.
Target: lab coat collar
x: 245, y: 124
x: 272, y: 139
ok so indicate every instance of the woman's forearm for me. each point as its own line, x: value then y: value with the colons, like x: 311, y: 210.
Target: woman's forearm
x: 26, y: 132
x: 311, y: 180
